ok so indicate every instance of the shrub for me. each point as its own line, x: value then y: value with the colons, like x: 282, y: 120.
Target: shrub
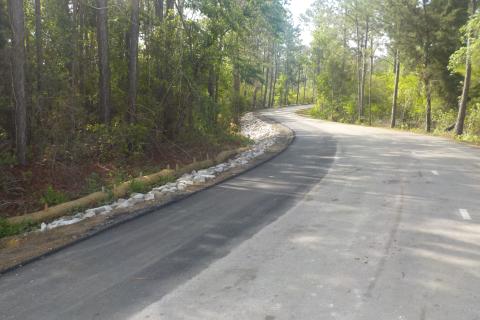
x: 10, y: 229
x: 472, y: 123
x: 53, y: 197
x: 137, y: 186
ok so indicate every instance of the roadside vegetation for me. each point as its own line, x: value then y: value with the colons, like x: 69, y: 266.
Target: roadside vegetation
x: 97, y: 92
x: 408, y: 64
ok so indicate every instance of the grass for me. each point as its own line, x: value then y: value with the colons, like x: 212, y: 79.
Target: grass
x: 10, y: 229
x: 137, y: 186
x: 53, y: 197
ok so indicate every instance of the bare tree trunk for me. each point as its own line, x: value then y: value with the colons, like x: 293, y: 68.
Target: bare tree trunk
x: 304, y: 87
x: 426, y: 75
x: 298, y: 84
x: 370, y: 83
x: 38, y: 51
x: 159, y: 9
x: 75, y: 56
x: 364, y: 69
x: 132, y: 60
x: 274, y: 84
x: 17, y: 22
x: 264, y: 101
x: 286, y: 88
x: 236, y: 94
x: 273, y: 75
x: 103, y: 61
x: 359, y: 74
x: 180, y: 7
x: 428, y: 107
x: 395, y: 89
x: 462, y: 107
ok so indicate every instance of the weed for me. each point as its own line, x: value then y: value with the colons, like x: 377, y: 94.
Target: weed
x: 53, y: 197
x: 137, y: 186
x: 10, y: 229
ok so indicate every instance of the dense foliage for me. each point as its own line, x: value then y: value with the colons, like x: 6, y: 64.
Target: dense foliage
x: 359, y: 44
x: 113, y: 78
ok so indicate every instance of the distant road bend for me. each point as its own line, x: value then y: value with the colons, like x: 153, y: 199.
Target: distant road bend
x: 349, y: 222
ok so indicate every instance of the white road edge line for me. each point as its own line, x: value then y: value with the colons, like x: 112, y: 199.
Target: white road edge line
x: 465, y: 215
x: 435, y: 172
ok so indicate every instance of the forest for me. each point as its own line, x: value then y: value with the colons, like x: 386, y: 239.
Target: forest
x: 401, y: 63
x: 96, y: 91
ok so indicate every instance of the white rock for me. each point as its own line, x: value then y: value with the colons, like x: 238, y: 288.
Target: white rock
x: 149, y: 196
x: 181, y: 186
x: 89, y: 213
x: 199, y: 179
x: 125, y: 204
x: 43, y: 227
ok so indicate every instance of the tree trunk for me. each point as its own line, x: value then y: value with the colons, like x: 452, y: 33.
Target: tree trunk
x: 264, y: 99
x: 428, y: 107
x: 132, y: 60
x: 395, y: 89
x: 38, y: 51
x: 103, y: 61
x: 273, y: 75
x: 236, y: 94
x: 273, y: 83
x: 426, y: 73
x: 364, y: 69
x: 17, y: 23
x: 298, y: 84
x: 462, y: 107
x: 304, y: 88
x: 75, y: 56
x: 159, y: 9
x: 370, y: 83
x: 358, y: 58
x: 287, y: 89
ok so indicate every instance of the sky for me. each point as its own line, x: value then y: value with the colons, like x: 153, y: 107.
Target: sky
x: 298, y: 7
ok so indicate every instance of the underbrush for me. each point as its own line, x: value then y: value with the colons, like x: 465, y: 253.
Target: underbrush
x: 99, y: 159
x: 442, y: 121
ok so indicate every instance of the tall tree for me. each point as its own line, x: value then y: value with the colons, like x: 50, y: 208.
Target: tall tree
x: 17, y: 22
x: 133, y: 59
x: 462, y: 107
x: 159, y: 10
x: 395, y: 88
x: 103, y: 59
x: 38, y: 50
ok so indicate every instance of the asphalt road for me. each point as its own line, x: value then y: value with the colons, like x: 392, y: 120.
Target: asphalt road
x: 349, y: 223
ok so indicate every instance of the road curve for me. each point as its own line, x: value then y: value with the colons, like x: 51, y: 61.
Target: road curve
x: 349, y: 222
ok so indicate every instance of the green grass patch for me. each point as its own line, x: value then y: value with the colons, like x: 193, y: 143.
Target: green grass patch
x: 11, y: 229
x: 137, y: 186
x: 53, y: 197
